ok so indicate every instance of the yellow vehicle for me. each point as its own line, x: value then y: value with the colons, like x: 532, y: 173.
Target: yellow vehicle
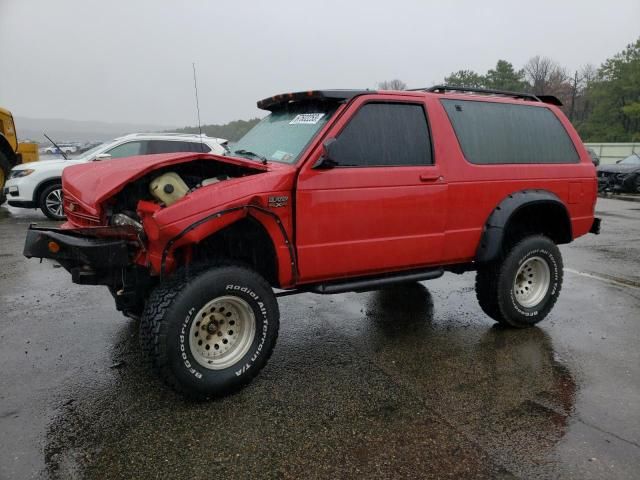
x: 11, y: 151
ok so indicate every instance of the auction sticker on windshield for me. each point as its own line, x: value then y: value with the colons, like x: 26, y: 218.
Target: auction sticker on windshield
x: 281, y: 156
x: 306, y: 119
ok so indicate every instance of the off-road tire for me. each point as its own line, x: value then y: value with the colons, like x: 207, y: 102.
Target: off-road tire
x: 172, y: 309
x: 495, y: 282
x: 5, y: 168
x: 42, y: 202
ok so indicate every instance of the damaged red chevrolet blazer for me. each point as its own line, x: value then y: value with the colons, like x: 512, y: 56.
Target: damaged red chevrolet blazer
x: 333, y: 191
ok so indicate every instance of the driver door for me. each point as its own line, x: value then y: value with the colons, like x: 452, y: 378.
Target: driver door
x: 381, y: 208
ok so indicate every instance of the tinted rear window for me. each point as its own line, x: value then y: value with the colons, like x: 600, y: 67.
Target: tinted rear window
x: 495, y: 133
x: 172, y: 146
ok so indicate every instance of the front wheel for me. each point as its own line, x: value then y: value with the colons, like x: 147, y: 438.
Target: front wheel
x: 50, y: 202
x: 520, y: 289
x: 208, y: 335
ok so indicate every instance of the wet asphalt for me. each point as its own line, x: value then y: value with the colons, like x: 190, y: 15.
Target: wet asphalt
x: 412, y: 382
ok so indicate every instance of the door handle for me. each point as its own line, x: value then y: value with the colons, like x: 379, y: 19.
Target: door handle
x: 429, y: 177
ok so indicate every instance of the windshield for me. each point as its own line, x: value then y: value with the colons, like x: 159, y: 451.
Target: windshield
x: 88, y: 155
x: 283, y: 134
x: 632, y: 159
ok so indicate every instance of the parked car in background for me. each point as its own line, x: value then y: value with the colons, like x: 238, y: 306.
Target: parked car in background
x: 66, y: 148
x: 594, y: 156
x: 623, y: 176
x: 87, y: 146
x: 39, y: 184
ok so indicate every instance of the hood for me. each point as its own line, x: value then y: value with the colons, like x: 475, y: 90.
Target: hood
x: 93, y: 182
x: 618, y: 168
x: 47, y: 164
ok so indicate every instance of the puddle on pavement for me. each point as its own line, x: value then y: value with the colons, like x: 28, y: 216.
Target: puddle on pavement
x: 381, y: 368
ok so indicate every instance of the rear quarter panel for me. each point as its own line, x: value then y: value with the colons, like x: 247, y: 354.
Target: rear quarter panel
x: 475, y: 190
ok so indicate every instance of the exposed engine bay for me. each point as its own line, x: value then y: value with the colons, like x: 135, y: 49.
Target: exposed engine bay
x: 167, y: 185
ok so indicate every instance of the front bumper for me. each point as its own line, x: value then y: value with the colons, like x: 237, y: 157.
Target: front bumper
x: 18, y: 195
x: 90, y: 260
x: 21, y: 203
x: 617, y: 182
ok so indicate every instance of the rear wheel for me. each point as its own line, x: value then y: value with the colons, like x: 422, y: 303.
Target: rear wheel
x: 520, y: 289
x: 209, y: 334
x: 50, y: 202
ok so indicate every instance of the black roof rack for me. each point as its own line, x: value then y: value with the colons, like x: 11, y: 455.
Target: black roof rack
x: 327, y: 95
x: 489, y: 91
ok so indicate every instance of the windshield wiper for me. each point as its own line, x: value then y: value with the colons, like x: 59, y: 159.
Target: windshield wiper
x: 242, y: 151
x: 56, y: 145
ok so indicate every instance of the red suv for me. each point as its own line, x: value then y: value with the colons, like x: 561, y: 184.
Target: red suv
x: 333, y: 191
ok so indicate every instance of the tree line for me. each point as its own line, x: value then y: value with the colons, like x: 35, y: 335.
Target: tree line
x: 602, y: 103
x: 232, y: 131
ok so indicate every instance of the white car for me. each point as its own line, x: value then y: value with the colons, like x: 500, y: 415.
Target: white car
x: 39, y: 184
x: 64, y: 148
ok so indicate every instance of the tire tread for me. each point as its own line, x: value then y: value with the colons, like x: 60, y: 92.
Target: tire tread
x: 490, y: 276
x: 153, y: 327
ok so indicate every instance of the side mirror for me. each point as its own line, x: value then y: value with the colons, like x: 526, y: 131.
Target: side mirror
x: 328, y: 158
x: 102, y: 156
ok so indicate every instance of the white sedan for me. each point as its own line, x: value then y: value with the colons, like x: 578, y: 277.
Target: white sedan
x: 39, y: 184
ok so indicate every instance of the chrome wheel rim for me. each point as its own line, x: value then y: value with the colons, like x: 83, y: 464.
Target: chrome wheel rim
x: 222, y: 332
x: 532, y: 282
x: 53, y: 202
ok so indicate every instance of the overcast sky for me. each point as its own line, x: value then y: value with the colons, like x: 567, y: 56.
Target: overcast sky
x: 130, y: 61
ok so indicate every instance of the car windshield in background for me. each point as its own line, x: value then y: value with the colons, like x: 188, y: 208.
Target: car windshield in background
x: 283, y: 134
x: 632, y: 159
x: 91, y: 152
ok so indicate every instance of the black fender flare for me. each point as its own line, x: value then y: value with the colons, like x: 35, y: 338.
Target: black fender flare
x: 248, y: 208
x: 496, y: 225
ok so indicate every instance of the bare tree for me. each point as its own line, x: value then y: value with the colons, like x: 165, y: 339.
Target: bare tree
x: 394, y: 84
x: 582, y: 79
x: 589, y: 74
x: 576, y: 86
x: 545, y: 75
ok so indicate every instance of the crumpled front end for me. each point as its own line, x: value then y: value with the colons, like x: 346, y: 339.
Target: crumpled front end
x: 95, y: 256
x: 618, y: 181
x: 124, y: 223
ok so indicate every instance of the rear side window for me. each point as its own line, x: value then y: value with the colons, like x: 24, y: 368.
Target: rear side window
x: 169, y: 146
x: 498, y: 133
x: 128, y: 149
x: 391, y: 134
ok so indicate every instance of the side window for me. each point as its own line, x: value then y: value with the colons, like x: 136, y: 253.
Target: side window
x: 199, y: 147
x: 127, y: 150
x: 170, y: 146
x: 499, y: 133
x: 392, y: 134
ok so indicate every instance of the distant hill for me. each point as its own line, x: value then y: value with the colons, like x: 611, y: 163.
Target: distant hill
x: 62, y: 131
x: 232, y: 131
